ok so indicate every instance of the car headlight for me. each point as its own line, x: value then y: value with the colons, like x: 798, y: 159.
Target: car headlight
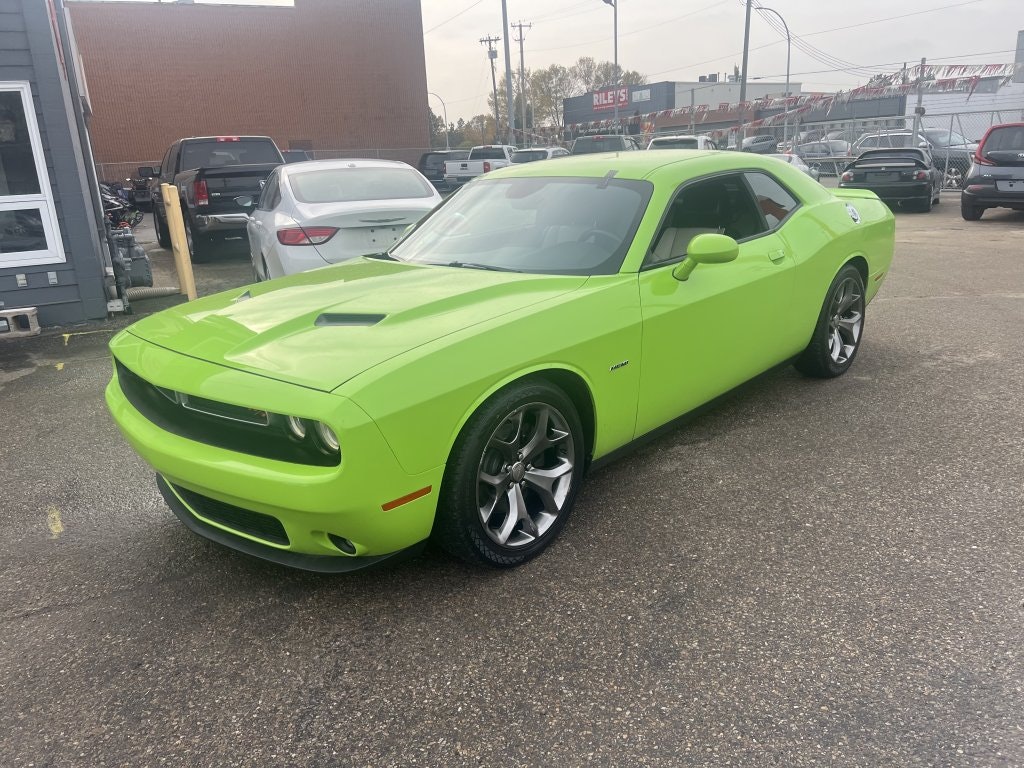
x: 297, y: 427
x: 328, y: 439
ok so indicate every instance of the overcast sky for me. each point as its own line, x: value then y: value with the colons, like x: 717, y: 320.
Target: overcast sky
x: 681, y: 39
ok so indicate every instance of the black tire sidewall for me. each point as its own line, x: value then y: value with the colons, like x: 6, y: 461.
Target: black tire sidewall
x: 816, y: 360
x: 457, y: 525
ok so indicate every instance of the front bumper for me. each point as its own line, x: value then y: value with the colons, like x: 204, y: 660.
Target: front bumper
x: 309, y: 503
x: 219, y: 222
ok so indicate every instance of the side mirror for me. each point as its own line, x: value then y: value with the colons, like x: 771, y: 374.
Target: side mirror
x: 706, y: 249
x: 245, y: 201
x: 148, y: 172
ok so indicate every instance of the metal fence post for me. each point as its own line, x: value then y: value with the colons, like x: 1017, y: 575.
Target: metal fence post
x: 949, y: 144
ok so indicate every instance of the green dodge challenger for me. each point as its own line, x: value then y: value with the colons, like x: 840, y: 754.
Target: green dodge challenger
x: 458, y: 387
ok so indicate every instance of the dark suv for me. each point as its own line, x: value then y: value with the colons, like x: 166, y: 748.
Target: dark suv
x: 431, y: 164
x: 996, y: 179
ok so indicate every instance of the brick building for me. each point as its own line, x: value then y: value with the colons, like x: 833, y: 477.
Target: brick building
x: 324, y: 75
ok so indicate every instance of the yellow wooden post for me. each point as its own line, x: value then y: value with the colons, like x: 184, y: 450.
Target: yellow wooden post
x: 179, y: 243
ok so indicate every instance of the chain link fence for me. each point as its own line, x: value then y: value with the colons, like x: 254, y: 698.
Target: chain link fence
x: 952, y: 138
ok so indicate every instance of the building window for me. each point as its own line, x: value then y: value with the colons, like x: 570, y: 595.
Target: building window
x: 29, y: 232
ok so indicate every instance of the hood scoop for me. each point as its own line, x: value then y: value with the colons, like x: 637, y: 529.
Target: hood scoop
x: 338, y: 319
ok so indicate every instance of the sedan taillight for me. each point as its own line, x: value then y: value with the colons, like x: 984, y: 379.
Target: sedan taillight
x: 305, y: 236
x: 920, y: 175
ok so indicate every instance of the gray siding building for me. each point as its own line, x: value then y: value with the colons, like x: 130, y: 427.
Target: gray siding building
x: 50, y: 253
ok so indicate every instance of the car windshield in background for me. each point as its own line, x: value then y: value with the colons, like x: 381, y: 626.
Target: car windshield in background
x: 944, y: 138
x: 213, y: 152
x: 1008, y: 139
x: 560, y: 226
x: 683, y: 143
x: 343, y: 185
x: 529, y: 156
x: 488, y: 153
x: 588, y: 145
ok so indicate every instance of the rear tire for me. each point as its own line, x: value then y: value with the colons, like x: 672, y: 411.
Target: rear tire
x: 163, y: 233
x: 925, y: 206
x: 840, y: 328
x: 512, y: 477
x: 970, y: 212
x: 199, y: 247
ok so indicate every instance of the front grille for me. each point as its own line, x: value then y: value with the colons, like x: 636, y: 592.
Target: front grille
x: 265, y: 527
x: 244, y: 430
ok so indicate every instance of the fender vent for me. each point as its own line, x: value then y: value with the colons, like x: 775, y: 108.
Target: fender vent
x: 338, y: 319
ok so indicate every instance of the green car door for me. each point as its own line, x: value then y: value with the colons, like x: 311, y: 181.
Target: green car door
x: 725, y: 323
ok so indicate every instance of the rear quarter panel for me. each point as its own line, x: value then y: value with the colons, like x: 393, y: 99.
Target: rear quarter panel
x: 825, y: 235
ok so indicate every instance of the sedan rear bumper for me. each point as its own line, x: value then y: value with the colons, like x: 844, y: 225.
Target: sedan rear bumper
x: 895, y: 193
x: 993, y: 198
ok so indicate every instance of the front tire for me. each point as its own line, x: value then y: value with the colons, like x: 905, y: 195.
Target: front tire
x: 512, y: 477
x: 839, y: 330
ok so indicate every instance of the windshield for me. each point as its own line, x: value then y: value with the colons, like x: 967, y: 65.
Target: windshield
x: 561, y: 226
x: 343, y: 185
x: 944, y: 138
x: 683, y: 142
x: 210, y: 153
x: 529, y: 156
x: 1008, y: 138
x: 591, y: 144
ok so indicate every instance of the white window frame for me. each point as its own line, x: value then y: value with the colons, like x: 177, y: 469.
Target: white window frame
x: 54, y: 253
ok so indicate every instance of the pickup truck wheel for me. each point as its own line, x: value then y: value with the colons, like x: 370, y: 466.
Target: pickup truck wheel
x: 163, y: 233
x: 199, y: 247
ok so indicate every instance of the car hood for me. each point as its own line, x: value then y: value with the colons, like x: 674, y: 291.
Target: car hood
x: 319, y: 329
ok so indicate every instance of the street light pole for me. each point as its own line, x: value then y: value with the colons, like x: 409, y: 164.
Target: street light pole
x: 615, y: 62
x: 445, y: 108
x: 743, y: 74
x: 789, y: 50
x: 509, y: 104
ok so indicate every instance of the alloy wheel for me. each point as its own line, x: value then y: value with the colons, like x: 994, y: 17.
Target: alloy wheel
x: 846, y: 319
x: 525, y: 475
x: 954, y: 179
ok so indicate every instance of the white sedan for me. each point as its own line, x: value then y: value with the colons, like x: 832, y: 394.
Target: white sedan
x: 325, y: 211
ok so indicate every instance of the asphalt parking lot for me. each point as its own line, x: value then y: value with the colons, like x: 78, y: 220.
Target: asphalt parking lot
x: 813, y: 573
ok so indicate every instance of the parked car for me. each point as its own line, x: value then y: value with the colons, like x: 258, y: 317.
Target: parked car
x: 816, y: 150
x: 951, y: 153
x: 533, y: 154
x: 457, y: 387
x: 901, y: 177
x: 587, y: 145
x: 296, y: 155
x: 795, y: 160
x: 211, y: 173
x: 996, y: 179
x: 802, y: 137
x: 683, y: 141
x: 432, y: 163
x: 761, y: 145
x: 325, y: 211
x: 481, y: 160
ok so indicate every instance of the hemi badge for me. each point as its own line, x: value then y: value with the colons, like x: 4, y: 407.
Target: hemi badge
x: 623, y: 364
x: 406, y: 499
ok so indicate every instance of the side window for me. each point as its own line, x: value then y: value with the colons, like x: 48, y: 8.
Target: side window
x: 172, y: 160
x: 719, y: 205
x: 774, y: 202
x: 165, y: 164
x: 271, y: 194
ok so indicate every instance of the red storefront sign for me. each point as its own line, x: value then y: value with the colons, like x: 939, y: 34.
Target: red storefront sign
x: 606, y: 99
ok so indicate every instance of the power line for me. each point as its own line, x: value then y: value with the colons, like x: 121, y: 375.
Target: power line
x: 452, y: 18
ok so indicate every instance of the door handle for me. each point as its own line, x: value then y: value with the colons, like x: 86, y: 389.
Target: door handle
x: 777, y: 256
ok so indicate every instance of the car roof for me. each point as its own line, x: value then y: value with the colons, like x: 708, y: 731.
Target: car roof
x: 638, y: 165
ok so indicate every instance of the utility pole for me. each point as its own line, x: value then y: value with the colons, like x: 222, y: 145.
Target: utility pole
x: 743, y: 74
x: 522, y: 79
x: 508, y: 76
x: 919, y: 109
x: 492, y: 54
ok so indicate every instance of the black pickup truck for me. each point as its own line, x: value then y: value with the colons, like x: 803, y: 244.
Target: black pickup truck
x: 210, y: 172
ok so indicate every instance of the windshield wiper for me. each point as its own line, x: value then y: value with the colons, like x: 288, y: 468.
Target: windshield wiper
x: 474, y: 265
